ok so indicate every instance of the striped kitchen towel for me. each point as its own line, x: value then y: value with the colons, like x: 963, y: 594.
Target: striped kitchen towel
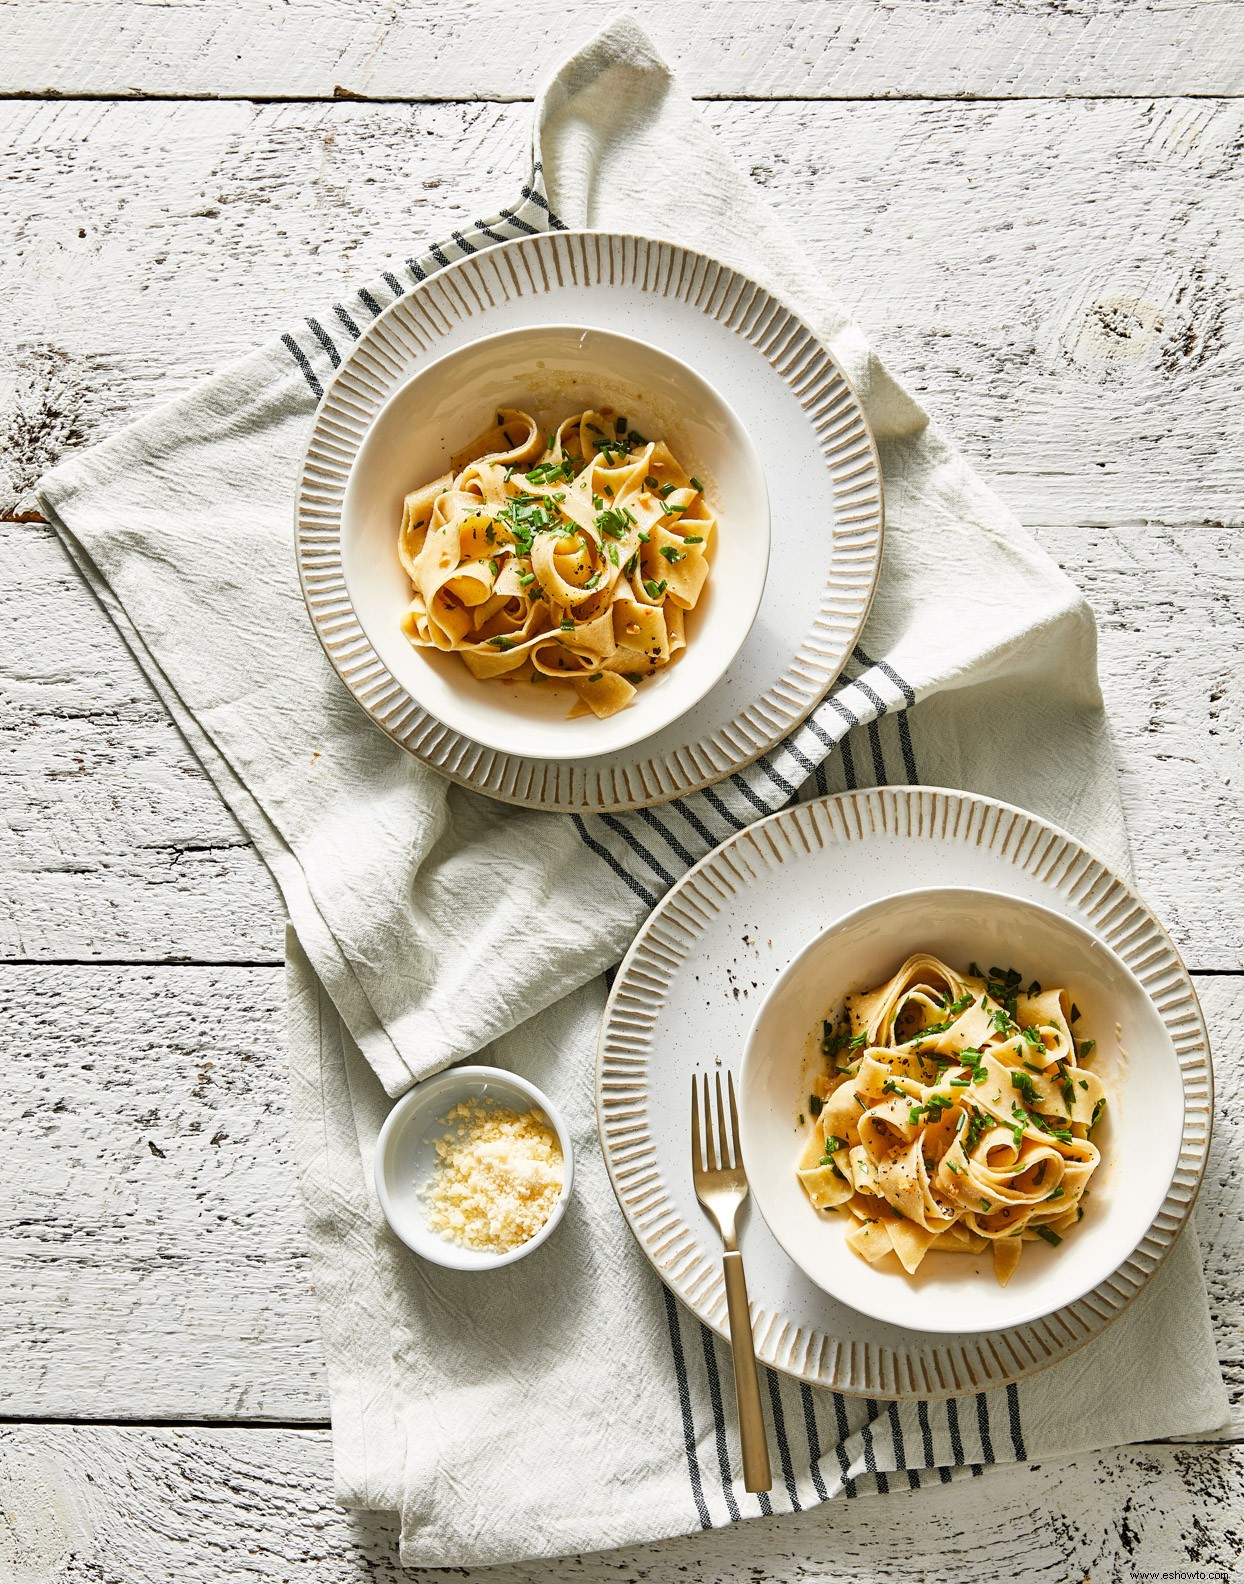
x: 568, y: 1403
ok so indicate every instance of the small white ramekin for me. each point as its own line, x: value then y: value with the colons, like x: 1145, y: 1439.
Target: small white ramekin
x: 406, y: 1153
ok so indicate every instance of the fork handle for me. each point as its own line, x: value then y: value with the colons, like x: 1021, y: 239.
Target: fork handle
x: 756, y: 1472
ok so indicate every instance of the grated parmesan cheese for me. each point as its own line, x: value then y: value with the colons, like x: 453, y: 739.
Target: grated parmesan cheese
x: 497, y: 1176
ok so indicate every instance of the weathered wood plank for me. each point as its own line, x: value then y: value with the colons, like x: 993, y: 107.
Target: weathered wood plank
x: 480, y: 49
x: 131, y: 1506
x: 151, y: 1231
x: 115, y: 846
x: 152, y: 1257
x: 979, y: 245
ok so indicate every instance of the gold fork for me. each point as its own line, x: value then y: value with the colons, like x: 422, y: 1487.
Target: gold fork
x: 721, y: 1188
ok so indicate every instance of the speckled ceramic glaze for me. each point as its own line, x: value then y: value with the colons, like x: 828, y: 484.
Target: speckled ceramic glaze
x: 686, y: 996
x: 821, y: 472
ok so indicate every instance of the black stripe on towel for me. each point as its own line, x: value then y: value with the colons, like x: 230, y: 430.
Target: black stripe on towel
x: 817, y: 730
x: 982, y: 1422
x: 713, y: 799
x: 683, y: 806
x: 534, y: 193
x: 322, y: 336
x: 870, y: 1451
x: 662, y: 830
x: 814, y: 1440
x: 884, y: 666
x: 874, y: 742
x: 637, y: 847
x: 618, y: 869
x: 900, y: 1451
x: 779, y: 1429
x: 909, y: 756
x: 873, y: 697
x: 796, y: 752
x: 719, y: 1420
x: 836, y: 703
x: 1017, y: 1433
x: 952, y: 1424
x: 926, y: 1432
x: 300, y: 357
x: 756, y: 802
x: 775, y: 776
x: 684, y: 1404
x: 347, y: 321
x: 527, y: 230
x: 848, y: 764
x: 844, y: 1430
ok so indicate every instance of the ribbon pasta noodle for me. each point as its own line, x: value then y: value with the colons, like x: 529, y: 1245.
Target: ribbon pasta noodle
x: 956, y: 1116
x: 572, y: 556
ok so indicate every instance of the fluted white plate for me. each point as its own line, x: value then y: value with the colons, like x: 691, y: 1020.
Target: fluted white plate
x: 685, y: 998
x: 822, y: 474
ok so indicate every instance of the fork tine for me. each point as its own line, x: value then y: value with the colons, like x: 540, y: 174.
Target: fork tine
x: 734, y: 1121
x: 696, y: 1158
x: 710, y: 1154
x: 721, y: 1127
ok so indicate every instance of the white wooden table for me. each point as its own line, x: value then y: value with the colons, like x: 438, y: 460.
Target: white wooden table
x: 1035, y: 210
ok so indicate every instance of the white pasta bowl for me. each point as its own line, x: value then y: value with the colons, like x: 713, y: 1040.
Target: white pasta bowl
x: 405, y: 1156
x: 1139, y: 1135
x: 552, y: 371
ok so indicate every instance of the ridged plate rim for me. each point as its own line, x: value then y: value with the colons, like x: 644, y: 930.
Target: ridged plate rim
x: 686, y: 1257
x: 381, y: 361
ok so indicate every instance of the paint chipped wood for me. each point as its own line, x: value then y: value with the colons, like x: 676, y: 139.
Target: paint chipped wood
x: 979, y: 245
x: 154, y: 1262
x: 1058, y: 280
x: 488, y: 49
x: 130, y: 1506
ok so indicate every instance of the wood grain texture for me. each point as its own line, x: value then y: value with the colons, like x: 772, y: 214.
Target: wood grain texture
x: 1061, y: 282
x: 978, y: 243
x: 113, y: 844
x: 116, y: 847
x: 152, y: 1257
x: 141, y: 1506
x: 1092, y: 378
x: 489, y: 49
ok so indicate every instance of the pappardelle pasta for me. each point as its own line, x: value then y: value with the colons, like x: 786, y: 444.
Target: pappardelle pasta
x: 569, y: 557
x: 955, y: 1116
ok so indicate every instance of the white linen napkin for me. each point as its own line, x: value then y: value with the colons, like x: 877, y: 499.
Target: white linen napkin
x: 568, y: 1403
